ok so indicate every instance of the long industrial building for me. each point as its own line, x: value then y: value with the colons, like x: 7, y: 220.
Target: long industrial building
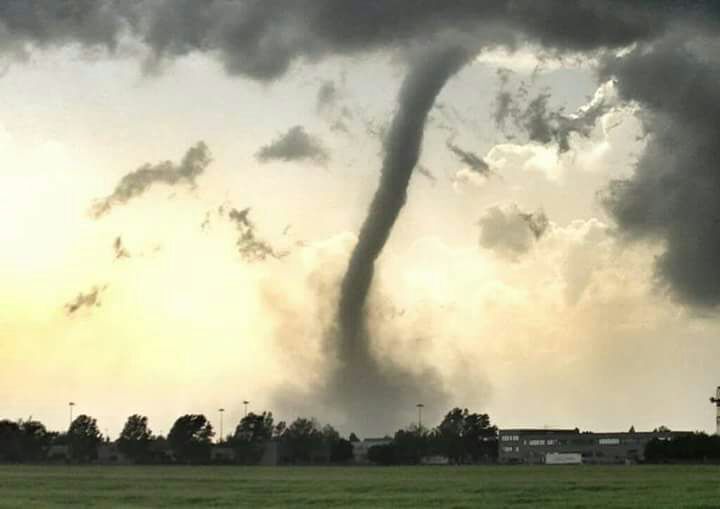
x: 538, y: 446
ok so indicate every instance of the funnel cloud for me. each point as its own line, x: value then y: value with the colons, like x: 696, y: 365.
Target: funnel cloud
x: 362, y: 382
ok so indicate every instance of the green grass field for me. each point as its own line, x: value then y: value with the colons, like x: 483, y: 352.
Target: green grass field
x: 412, y: 487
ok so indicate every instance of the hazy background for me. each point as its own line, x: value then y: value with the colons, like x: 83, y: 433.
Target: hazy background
x: 567, y: 330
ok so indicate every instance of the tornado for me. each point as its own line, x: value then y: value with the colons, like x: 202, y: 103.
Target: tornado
x: 361, y: 378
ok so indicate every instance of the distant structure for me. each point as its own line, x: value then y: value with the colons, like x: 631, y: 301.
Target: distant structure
x: 361, y: 449
x: 716, y: 400
x: 568, y: 446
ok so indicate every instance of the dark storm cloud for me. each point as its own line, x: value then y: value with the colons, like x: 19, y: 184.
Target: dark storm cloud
x: 85, y: 300
x: 469, y: 159
x: 28, y: 24
x: 263, y: 38
x: 509, y: 231
x: 134, y: 184
x: 294, y: 145
x: 674, y: 193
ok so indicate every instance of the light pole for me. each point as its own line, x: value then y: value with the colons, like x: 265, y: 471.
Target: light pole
x: 419, y: 407
x: 246, y: 404
x: 221, y: 410
x: 71, y: 405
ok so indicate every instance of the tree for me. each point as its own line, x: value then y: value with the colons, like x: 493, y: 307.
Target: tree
x: 190, y: 439
x: 302, y: 438
x: 411, y: 444
x: 353, y: 437
x: 688, y: 447
x: 341, y: 451
x: 83, y: 438
x: 451, y: 435
x: 279, y: 429
x: 135, y: 439
x: 10, y: 447
x: 35, y: 440
x: 382, y: 454
x: 250, y: 436
x: 480, y: 437
x: 463, y: 436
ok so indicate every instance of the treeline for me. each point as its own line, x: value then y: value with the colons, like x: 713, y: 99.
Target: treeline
x: 689, y: 448
x: 461, y: 437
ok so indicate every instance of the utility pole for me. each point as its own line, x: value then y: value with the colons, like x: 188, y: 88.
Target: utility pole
x: 716, y: 400
x: 221, y: 410
x: 71, y: 405
x: 419, y: 407
x: 246, y: 403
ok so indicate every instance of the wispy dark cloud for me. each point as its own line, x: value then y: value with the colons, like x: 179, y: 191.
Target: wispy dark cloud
x: 134, y: 184
x: 545, y: 124
x: 250, y: 247
x: 425, y: 172
x: 119, y: 249
x: 327, y: 96
x: 470, y: 159
x: 294, y: 145
x: 89, y: 299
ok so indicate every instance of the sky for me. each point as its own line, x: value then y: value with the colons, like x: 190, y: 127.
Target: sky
x: 181, y: 195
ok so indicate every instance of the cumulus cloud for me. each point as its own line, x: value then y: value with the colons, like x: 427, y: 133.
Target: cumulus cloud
x: 294, y: 145
x: 509, y: 231
x: 134, y: 184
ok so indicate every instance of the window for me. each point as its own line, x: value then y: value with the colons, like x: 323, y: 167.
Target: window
x: 609, y: 441
x: 536, y: 442
x: 507, y: 449
x: 551, y: 442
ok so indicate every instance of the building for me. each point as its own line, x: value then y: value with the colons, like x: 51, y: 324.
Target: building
x: 360, y: 449
x: 538, y: 446
x: 222, y: 454
x: 109, y: 454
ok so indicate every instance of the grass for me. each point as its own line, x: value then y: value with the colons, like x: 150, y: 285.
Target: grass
x: 376, y: 488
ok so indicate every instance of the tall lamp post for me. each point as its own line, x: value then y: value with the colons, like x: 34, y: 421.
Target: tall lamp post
x: 419, y: 407
x: 221, y: 410
x: 71, y: 405
x: 246, y: 403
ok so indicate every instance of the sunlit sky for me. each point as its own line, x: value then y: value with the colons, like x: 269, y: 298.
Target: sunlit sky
x: 570, y: 329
